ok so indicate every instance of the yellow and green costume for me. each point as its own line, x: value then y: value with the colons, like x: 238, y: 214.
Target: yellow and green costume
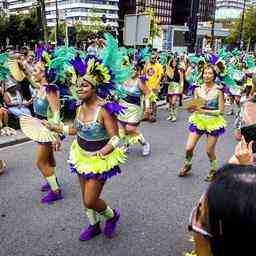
x: 91, y: 137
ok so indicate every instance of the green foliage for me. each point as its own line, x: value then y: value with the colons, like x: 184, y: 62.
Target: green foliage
x: 23, y: 28
x: 19, y: 28
x: 155, y: 28
x: 61, y: 32
x: 248, y: 31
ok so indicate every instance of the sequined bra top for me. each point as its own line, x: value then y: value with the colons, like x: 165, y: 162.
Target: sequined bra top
x: 133, y: 89
x: 91, y: 131
x: 133, y: 93
x: 212, y: 104
x: 40, y: 105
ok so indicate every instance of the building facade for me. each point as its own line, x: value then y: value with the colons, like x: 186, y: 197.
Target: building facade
x: 230, y: 9
x: 182, y: 11
x: 206, y: 10
x: 3, y: 7
x: 71, y: 11
x: 161, y: 8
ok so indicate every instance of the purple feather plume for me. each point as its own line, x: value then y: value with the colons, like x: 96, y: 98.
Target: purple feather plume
x: 79, y: 66
x: 143, y: 79
x: 213, y: 59
x: 113, y: 108
x: 39, y: 53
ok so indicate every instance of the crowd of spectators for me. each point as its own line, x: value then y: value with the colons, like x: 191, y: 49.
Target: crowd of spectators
x: 17, y: 92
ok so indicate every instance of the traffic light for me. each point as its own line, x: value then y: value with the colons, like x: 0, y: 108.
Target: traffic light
x: 104, y: 18
x: 187, y: 37
x: 71, y: 36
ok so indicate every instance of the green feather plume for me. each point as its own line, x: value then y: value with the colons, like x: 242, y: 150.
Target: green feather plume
x: 112, y: 58
x: 4, y: 70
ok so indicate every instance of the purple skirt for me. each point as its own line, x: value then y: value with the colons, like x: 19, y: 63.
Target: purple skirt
x: 215, y: 133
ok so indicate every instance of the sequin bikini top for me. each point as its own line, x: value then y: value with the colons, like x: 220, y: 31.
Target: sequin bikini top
x: 93, y: 130
x: 133, y: 89
x: 40, y: 105
x: 213, y: 103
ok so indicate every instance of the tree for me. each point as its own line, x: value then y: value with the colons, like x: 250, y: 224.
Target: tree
x: 155, y: 28
x: 3, y: 32
x: 248, y: 31
x: 20, y: 28
x: 62, y: 32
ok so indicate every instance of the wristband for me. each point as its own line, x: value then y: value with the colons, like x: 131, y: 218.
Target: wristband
x: 114, y: 141
x: 65, y: 130
x: 55, y: 119
x: 98, y: 154
x: 147, y: 103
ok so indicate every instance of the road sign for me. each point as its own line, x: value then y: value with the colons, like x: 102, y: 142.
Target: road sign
x: 136, y: 29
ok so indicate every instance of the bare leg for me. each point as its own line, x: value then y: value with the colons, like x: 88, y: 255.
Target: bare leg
x: 45, y: 160
x: 210, y: 149
x: 193, y: 138
x: 92, y: 192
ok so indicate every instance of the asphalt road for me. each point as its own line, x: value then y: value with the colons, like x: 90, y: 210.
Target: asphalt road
x: 155, y: 204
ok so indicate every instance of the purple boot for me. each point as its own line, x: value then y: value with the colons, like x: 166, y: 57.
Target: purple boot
x: 45, y: 187
x: 90, y: 232
x: 51, y: 197
x: 110, y: 225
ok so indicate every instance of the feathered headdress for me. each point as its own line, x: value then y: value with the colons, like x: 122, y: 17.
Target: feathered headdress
x: 106, y: 72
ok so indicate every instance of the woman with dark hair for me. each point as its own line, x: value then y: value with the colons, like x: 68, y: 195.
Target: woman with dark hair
x: 47, y: 106
x: 205, y: 120
x: 94, y: 156
x: 175, y: 77
x: 223, y: 222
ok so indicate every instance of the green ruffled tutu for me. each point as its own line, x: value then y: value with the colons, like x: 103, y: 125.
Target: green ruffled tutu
x: 175, y: 88
x: 210, y: 125
x: 87, y: 166
x: 132, y: 113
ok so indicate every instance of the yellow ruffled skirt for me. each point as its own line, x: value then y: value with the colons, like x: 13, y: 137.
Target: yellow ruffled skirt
x: 89, y: 166
x: 210, y: 125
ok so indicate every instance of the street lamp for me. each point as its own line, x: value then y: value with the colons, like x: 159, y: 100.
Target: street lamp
x: 213, y: 27
x: 57, y: 24
x: 242, y: 27
x: 193, y: 19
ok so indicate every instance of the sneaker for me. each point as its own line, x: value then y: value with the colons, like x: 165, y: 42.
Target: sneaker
x: 146, y: 149
x: 152, y: 120
x: 169, y: 118
x: 126, y: 149
x: 110, y: 225
x: 230, y: 113
x: 211, y: 176
x: 174, y: 119
x: 185, y: 170
x: 90, y: 232
x: 51, y: 197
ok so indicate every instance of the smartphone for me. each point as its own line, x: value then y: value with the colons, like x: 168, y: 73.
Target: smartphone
x: 249, y: 133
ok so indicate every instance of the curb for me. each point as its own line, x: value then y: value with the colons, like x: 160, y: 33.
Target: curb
x: 13, y: 142
x: 6, y: 141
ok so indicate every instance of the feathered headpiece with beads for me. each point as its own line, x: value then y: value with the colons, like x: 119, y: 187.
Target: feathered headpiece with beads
x: 106, y: 72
